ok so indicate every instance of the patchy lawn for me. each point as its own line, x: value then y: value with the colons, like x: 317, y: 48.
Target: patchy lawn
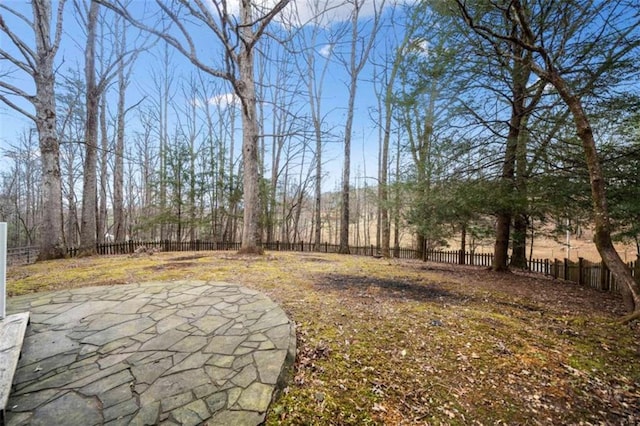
x: 405, y: 342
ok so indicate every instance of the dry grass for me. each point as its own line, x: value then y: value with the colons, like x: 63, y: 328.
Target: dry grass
x: 404, y: 342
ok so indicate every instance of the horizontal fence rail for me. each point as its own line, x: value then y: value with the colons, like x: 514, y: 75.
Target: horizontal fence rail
x: 22, y: 255
x: 589, y: 274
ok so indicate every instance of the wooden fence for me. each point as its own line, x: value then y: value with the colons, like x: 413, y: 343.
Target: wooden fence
x: 589, y: 274
x: 22, y: 255
x: 130, y: 247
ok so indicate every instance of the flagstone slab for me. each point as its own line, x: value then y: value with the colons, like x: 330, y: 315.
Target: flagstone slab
x: 41, y: 346
x: 69, y: 409
x: 182, y: 352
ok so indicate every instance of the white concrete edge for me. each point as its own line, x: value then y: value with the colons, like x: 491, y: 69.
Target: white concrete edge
x: 3, y: 270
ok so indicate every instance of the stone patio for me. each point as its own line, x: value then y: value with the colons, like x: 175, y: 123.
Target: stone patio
x: 167, y: 353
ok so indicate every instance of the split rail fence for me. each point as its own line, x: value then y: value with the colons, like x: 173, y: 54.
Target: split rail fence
x: 583, y: 272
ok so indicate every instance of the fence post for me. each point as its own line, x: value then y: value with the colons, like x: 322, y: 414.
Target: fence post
x: 546, y: 267
x: 566, y: 269
x: 636, y: 270
x: 604, y: 284
x: 581, y: 271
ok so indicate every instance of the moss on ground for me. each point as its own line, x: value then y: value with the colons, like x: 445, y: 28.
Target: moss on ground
x: 404, y: 342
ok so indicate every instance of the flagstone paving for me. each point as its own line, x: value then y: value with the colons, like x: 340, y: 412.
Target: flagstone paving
x: 187, y: 353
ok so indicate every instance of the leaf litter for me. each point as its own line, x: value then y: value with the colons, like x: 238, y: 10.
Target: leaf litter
x: 403, y: 342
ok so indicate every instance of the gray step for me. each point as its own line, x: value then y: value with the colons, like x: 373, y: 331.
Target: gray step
x: 12, y: 329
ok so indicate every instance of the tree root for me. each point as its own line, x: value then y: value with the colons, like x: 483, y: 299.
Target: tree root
x: 629, y: 318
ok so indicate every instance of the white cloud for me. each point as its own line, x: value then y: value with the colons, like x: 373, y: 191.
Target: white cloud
x: 315, y: 12
x: 327, y: 12
x: 224, y: 100
x: 419, y: 46
x: 326, y: 50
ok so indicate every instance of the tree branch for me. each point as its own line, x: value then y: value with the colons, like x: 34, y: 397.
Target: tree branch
x: 265, y: 21
x: 28, y: 54
x: 58, y: 35
x: 189, y: 51
x: 15, y: 107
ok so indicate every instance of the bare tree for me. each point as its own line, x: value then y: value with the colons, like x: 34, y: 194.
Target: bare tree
x: 358, y: 54
x: 71, y: 126
x: 218, y: 128
x: 124, y: 71
x: 312, y: 59
x: 283, y: 121
x: 112, y: 62
x: 239, y: 38
x: 386, y: 102
x: 102, y: 219
x: 38, y: 64
x: 88, y: 226
x: 19, y: 193
x: 191, y: 132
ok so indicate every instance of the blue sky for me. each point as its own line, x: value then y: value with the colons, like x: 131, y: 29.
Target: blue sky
x: 365, y: 134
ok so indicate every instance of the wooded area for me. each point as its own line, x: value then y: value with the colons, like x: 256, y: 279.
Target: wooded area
x: 492, y: 121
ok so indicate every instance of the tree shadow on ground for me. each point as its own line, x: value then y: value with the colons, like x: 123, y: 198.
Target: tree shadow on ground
x: 398, y: 289
x: 171, y: 265
x: 183, y: 258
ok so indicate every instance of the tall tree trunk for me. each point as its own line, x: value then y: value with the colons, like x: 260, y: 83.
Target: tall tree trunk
x: 119, y: 230
x: 519, y: 245
x: 103, y: 214
x: 354, y: 67
x: 72, y: 213
x: 346, y: 170
x: 385, y: 226
x: 463, y: 244
x: 396, y: 205
x: 346, y: 187
x: 629, y: 288
x: 383, y: 190
x: 276, y: 151
x: 520, y: 76
x: 88, y: 227
x: 192, y: 167
x: 251, y: 232
x: 421, y: 244
x: 520, y: 222
x: 51, y: 241
x: 317, y: 210
x: 164, y: 96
